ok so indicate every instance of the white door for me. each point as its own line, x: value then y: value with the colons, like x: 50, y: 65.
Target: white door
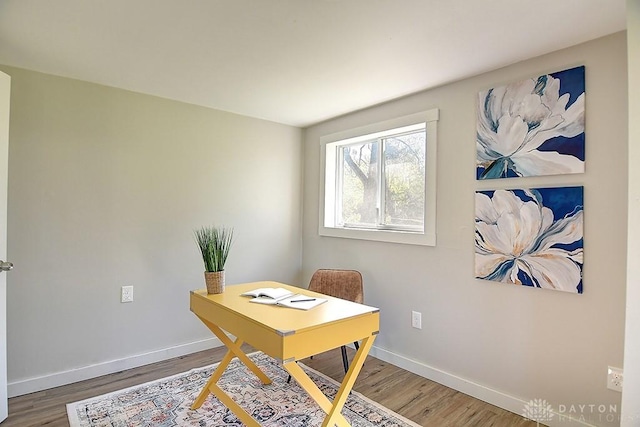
x: 5, y: 88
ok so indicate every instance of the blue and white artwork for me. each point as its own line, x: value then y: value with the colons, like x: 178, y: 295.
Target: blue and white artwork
x: 533, y: 127
x: 531, y: 237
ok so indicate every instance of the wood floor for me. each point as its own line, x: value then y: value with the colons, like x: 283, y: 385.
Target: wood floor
x: 425, y: 402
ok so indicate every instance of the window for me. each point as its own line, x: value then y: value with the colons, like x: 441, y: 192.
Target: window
x: 379, y: 181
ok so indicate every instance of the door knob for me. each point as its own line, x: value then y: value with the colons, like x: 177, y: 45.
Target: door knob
x: 5, y: 266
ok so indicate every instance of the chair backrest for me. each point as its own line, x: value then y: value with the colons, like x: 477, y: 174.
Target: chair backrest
x: 345, y: 284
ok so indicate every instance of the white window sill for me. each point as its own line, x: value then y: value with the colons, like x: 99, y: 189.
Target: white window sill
x: 389, y: 236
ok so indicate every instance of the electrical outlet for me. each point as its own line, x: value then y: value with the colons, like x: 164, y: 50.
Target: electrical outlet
x: 416, y: 319
x: 614, y: 378
x: 126, y: 294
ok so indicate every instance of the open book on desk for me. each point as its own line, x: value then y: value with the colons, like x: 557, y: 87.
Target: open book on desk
x: 270, y: 293
x: 283, y: 297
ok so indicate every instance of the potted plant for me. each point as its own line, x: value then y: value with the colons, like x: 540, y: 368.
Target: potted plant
x: 214, y: 243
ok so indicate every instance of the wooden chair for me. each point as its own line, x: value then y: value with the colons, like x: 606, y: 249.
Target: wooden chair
x: 345, y: 284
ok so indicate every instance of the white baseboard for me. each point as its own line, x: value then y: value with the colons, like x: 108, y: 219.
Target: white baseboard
x: 18, y: 388
x: 486, y: 394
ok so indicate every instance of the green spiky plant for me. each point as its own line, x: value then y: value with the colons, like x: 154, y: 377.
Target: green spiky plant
x: 214, y: 243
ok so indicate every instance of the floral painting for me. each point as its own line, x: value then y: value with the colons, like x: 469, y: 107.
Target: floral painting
x: 531, y: 237
x: 533, y: 127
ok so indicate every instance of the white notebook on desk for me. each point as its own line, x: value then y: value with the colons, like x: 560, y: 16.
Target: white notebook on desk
x: 283, y: 297
x: 301, y: 302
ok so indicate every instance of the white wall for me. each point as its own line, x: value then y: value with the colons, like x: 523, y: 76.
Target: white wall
x: 631, y: 391
x: 105, y: 189
x: 504, y: 343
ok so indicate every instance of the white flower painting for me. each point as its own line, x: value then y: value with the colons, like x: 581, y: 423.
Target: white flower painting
x: 533, y: 127
x: 531, y: 237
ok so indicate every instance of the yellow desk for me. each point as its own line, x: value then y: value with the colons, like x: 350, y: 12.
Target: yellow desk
x: 286, y: 334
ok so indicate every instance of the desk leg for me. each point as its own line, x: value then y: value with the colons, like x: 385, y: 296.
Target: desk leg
x: 212, y: 387
x: 234, y: 347
x: 213, y: 380
x: 235, y: 408
x: 333, y: 410
x: 312, y: 389
x: 347, y: 383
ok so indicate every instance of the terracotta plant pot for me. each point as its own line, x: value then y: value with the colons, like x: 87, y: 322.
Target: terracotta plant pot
x: 214, y: 281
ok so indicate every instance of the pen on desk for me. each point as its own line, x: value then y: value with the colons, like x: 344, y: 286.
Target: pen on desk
x: 302, y: 300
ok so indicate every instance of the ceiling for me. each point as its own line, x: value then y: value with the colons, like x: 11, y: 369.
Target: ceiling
x: 296, y: 62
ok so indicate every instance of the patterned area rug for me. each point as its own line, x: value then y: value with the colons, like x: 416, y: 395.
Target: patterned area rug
x: 166, y: 402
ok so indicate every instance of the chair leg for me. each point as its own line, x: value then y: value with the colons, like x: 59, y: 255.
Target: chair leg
x: 355, y: 343
x: 345, y: 361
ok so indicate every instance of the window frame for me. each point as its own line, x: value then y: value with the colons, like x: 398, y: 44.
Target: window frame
x: 328, y: 181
